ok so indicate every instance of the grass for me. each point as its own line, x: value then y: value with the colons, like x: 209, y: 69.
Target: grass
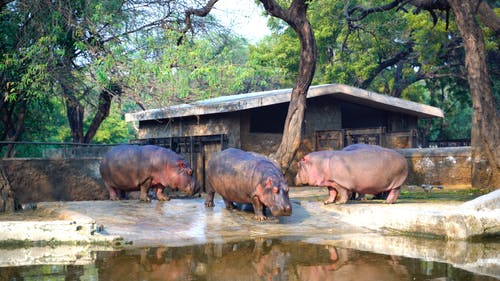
x: 441, y: 194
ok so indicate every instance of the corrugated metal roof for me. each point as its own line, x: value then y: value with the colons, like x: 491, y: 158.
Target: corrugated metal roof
x: 258, y: 99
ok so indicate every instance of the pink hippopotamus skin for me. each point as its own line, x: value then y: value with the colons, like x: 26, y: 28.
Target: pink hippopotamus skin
x: 127, y: 168
x: 247, y: 178
x: 361, y: 168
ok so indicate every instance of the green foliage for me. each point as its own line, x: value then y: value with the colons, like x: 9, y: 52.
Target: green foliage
x: 114, y: 129
x: 159, y: 72
x: 454, y: 100
x: 52, y: 51
x: 400, y: 53
x: 56, y: 53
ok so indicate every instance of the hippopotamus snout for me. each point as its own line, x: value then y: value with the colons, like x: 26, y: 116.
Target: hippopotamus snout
x: 281, y: 207
x: 192, y: 188
x: 281, y: 211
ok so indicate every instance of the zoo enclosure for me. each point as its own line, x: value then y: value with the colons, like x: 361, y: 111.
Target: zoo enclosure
x: 76, y: 177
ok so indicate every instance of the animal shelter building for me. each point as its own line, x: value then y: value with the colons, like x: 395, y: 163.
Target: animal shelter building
x: 336, y: 116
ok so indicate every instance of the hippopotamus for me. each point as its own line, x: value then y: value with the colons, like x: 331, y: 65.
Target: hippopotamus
x: 361, y: 168
x: 247, y: 177
x: 132, y: 167
x: 361, y: 196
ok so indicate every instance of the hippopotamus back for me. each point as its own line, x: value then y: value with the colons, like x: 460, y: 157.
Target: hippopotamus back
x: 247, y: 177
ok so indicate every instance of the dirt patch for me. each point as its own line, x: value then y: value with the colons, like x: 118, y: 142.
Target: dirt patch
x: 39, y: 214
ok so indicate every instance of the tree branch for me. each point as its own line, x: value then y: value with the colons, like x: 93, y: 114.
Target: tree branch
x: 488, y: 17
x: 428, y: 5
x: 275, y: 10
x: 200, y: 12
x: 389, y: 62
x: 364, y: 12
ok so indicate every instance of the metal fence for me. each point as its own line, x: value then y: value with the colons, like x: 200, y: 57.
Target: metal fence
x: 450, y: 143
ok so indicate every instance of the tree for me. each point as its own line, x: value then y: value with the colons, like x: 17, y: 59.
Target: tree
x: 162, y: 73
x: 486, y: 119
x: 45, y: 41
x: 398, y: 54
x: 485, y: 134
x: 66, y: 49
x: 296, y: 17
x: 114, y: 52
x: 22, y: 71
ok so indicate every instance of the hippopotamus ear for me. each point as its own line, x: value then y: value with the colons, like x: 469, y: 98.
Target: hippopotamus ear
x: 269, y: 182
x: 181, y: 164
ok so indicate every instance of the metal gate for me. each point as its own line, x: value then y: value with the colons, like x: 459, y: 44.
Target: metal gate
x: 338, y: 139
x: 196, y: 149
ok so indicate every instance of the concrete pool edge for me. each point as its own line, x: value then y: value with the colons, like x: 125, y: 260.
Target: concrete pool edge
x: 80, y: 228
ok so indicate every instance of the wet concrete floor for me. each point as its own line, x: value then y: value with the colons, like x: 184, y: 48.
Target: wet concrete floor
x: 187, y: 221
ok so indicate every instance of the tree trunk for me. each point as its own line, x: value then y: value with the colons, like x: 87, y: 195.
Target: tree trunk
x: 74, y: 112
x: 296, y: 17
x: 8, y: 202
x: 14, y: 127
x: 102, y: 112
x: 485, y: 134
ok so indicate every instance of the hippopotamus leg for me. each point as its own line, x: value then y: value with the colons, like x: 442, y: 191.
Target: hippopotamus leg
x: 393, y: 195
x: 160, y: 195
x: 209, y: 200
x: 258, y: 209
x: 144, y: 190
x: 333, y: 195
x: 344, y: 194
x: 229, y: 204
x: 114, y: 194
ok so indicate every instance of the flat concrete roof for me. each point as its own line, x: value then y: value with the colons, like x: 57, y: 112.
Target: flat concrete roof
x: 258, y: 99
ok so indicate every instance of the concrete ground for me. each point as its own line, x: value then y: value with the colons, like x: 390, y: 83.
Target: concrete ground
x: 369, y: 225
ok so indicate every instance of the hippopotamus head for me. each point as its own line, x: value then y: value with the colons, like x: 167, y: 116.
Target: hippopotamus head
x: 182, y: 178
x: 273, y: 193
x: 306, y: 171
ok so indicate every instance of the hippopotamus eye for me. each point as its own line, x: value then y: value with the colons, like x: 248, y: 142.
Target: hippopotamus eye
x: 188, y: 171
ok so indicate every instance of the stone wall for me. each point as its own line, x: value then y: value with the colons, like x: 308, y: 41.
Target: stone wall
x: 449, y: 166
x: 36, y: 180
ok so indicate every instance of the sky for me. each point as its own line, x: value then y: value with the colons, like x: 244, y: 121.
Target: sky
x: 244, y: 17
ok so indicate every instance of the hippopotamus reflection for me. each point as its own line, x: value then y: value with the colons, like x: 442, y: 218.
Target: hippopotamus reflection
x: 361, y: 168
x: 131, y: 168
x: 261, y: 259
x: 357, y: 265
x: 247, y: 177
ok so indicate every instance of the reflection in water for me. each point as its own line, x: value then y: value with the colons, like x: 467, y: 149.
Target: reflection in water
x: 266, y: 259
